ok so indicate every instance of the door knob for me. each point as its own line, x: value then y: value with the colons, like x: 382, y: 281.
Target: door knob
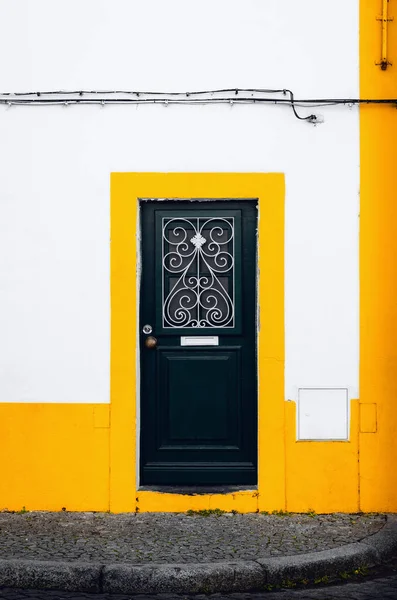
x: 151, y: 342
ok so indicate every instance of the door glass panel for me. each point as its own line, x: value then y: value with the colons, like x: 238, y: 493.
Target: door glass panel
x: 198, y: 272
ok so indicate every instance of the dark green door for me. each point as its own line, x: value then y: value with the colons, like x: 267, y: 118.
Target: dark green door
x: 198, y: 343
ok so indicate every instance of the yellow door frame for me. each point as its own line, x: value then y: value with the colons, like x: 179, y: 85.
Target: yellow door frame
x: 126, y: 190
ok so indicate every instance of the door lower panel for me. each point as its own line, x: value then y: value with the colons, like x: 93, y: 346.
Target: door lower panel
x: 199, y: 398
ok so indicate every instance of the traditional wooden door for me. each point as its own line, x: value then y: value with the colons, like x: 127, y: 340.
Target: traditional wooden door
x: 198, y: 343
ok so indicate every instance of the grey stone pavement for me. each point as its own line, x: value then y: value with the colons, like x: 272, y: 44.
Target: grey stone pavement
x: 185, y: 553
x: 161, y: 538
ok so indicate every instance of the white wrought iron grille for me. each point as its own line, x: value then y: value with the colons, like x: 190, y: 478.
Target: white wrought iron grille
x: 198, y: 275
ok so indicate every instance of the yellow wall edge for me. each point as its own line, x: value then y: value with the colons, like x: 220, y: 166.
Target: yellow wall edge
x: 378, y: 265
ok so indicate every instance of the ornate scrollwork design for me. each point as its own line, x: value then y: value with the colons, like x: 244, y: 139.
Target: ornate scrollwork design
x: 198, y: 272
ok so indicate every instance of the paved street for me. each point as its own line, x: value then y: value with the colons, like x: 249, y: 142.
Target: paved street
x: 382, y: 589
x: 382, y: 586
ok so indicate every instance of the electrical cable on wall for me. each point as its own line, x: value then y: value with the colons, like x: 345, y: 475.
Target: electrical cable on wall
x: 229, y: 96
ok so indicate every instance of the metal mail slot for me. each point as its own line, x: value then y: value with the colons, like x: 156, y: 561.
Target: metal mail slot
x: 200, y: 340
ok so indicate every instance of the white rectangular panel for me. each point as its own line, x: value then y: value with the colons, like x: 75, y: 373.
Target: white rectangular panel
x: 323, y: 414
x: 199, y: 340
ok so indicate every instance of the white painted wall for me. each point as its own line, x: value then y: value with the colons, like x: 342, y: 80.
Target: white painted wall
x: 56, y: 161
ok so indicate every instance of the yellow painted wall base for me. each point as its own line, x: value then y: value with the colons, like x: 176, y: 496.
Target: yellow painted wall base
x: 321, y: 475
x: 54, y: 456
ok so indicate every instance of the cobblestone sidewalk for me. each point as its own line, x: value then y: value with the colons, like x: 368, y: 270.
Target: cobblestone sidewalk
x: 159, y: 538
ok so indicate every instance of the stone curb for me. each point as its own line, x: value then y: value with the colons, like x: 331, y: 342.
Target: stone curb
x: 45, y: 575
x: 237, y: 576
